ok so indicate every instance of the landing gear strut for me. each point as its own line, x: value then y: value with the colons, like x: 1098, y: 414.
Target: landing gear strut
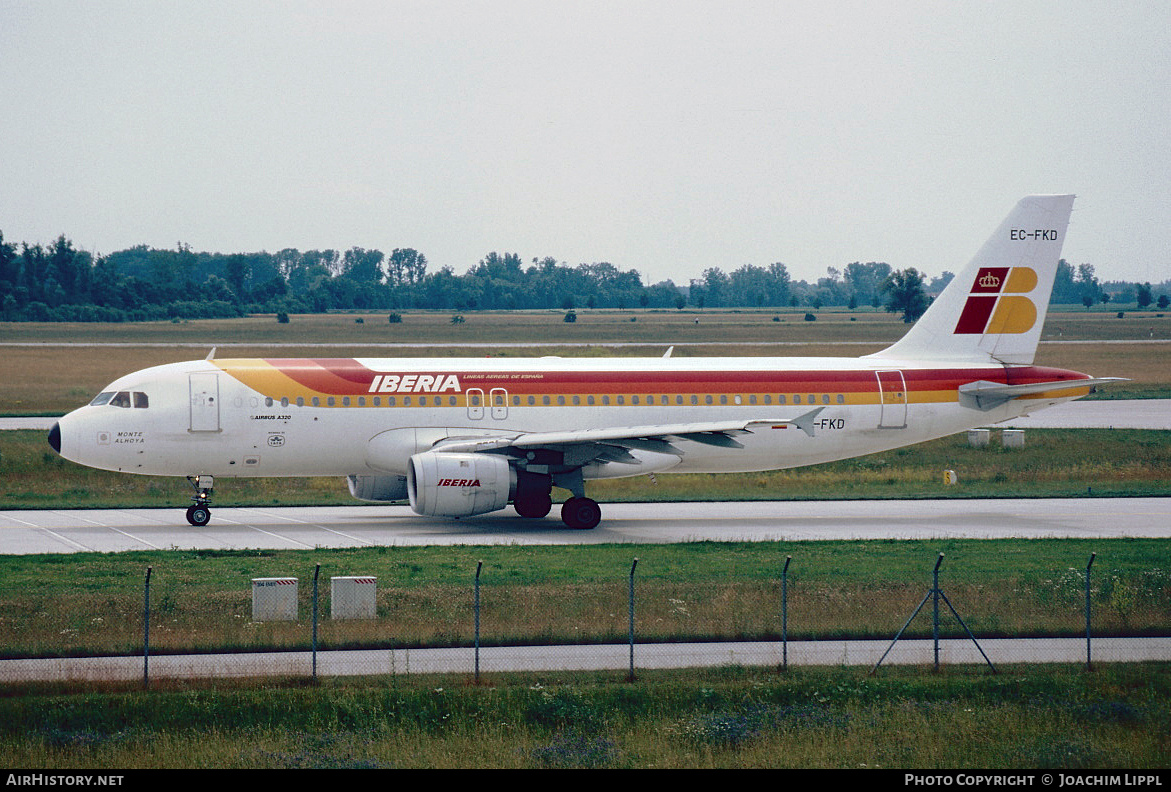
x: 198, y: 513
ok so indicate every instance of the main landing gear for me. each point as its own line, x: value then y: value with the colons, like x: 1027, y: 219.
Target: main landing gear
x: 198, y: 513
x: 533, y: 499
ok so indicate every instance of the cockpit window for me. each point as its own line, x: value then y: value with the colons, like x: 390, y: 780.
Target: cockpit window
x: 121, y: 399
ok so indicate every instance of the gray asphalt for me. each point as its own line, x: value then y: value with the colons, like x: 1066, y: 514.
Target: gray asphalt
x: 615, y: 657
x: 70, y: 531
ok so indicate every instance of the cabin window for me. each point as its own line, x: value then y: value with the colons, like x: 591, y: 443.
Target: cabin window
x: 841, y: 399
x: 634, y: 400
x: 451, y: 400
x: 797, y: 399
x: 679, y: 398
x: 694, y: 399
x: 825, y: 398
x: 590, y: 400
x: 532, y: 400
x: 622, y: 400
x: 407, y: 401
x: 576, y: 400
x: 545, y: 400
x: 606, y: 401
x: 316, y: 402
x: 300, y: 401
x: 707, y: 399
x: 331, y: 401
x: 723, y: 398
x: 752, y: 398
x: 515, y: 401
x: 560, y: 401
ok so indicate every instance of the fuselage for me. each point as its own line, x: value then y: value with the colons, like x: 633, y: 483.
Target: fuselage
x: 324, y: 417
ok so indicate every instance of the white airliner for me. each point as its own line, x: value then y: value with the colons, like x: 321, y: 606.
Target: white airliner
x: 458, y: 437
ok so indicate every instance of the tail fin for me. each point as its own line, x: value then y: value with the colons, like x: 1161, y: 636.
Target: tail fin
x: 994, y: 309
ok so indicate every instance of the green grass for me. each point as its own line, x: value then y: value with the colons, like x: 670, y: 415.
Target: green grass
x: 1054, y: 463
x: 1024, y: 718
x: 92, y: 604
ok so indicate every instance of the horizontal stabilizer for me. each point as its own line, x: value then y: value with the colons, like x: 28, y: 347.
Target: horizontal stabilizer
x: 984, y: 395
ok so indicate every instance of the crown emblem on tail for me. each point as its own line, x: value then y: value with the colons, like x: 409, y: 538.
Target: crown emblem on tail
x: 989, y: 281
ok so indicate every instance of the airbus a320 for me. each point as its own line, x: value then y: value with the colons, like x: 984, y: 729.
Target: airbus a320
x: 460, y: 437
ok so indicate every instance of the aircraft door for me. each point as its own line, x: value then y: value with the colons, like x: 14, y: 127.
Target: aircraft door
x: 475, y: 398
x: 892, y: 395
x: 205, y: 402
x: 499, y: 397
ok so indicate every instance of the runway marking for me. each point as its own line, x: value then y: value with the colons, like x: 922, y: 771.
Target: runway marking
x: 307, y: 523
x: 266, y: 533
x: 109, y: 528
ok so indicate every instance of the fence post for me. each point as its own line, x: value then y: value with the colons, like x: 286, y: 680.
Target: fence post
x: 146, y: 636
x: 785, y: 615
x: 630, y: 676
x: 316, y: 573
x: 479, y: 566
x: 1090, y: 564
x: 935, y: 614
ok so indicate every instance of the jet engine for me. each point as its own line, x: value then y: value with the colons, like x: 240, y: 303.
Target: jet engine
x: 458, y: 485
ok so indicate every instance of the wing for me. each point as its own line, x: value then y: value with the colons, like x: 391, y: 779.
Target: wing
x: 659, y: 438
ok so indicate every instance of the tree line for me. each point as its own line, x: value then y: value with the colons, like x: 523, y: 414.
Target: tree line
x: 59, y: 282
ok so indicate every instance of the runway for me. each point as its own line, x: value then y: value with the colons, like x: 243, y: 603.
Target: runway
x: 305, y: 528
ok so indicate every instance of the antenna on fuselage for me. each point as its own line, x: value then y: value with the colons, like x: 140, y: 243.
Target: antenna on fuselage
x: 667, y: 354
x: 211, y: 354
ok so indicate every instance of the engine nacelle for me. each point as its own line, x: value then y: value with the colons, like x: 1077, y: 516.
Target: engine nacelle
x: 458, y: 485
x: 378, y: 488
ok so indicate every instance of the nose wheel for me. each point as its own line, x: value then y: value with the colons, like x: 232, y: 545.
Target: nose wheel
x: 199, y: 513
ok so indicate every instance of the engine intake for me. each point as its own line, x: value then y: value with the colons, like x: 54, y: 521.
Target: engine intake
x: 458, y: 485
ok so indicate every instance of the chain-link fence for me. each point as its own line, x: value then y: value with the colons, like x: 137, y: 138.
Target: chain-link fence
x: 475, y: 620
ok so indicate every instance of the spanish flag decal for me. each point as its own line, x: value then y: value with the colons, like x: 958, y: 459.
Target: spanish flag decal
x: 997, y: 302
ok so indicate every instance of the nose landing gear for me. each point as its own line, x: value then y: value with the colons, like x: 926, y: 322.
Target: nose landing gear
x: 198, y: 513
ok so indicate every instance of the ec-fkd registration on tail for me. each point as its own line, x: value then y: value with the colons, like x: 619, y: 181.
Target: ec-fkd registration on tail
x: 459, y: 437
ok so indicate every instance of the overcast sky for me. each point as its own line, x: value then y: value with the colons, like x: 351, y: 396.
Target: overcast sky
x: 666, y: 137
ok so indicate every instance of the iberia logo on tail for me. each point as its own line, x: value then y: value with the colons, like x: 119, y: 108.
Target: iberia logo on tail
x: 997, y: 302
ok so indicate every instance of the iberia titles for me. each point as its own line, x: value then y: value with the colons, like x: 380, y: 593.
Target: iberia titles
x: 414, y: 383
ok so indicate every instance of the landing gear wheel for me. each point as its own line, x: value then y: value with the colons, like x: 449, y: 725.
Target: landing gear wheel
x: 533, y: 506
x: 581, y: 513
x: 198, y: 515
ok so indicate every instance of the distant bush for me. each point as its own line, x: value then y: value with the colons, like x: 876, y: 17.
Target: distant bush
x: 457, y: 319
x: 810, y: 317
x: 570, y: 316
x: 282, y: 317
x: 394, y: 319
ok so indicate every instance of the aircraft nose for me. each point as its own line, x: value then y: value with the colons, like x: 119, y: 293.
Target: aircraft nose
x: 55, y: 437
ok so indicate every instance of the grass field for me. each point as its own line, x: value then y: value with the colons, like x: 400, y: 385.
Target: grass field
x: 1053, y: 463
x: 1024, y: 717
x: 1021, y: 719
x: 52, y: 377
x: 92, y: 604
